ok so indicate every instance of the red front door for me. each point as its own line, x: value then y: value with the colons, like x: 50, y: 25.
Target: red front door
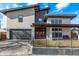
x: 40, y: 33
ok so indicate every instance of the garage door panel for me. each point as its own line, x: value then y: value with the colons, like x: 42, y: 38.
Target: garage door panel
x: 20, y: 34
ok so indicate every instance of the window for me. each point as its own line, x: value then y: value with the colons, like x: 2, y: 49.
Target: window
x: 20, y: 18
x: 56, y: 33
x: 56, y: 21
x: 60, y: 34
x: 40, y: 19
x: 49, y: 21
x: 52, y: 21
x: 60, y: 21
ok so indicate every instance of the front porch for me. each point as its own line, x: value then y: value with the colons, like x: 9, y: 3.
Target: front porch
x: 56, y: 35
x: 56, y: 31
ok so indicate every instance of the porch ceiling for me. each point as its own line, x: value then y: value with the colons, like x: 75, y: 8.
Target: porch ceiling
x: 56, y: 25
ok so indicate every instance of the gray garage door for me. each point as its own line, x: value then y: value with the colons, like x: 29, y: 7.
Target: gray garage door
x: 20, y: 34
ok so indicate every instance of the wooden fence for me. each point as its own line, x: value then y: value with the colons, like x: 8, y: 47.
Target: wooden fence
x: 3, y: 36
x: 56, y: 43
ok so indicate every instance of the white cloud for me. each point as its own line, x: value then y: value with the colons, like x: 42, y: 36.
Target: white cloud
x: 76, y: 12
x: 46, y: 5
x: 60, y: 6
x: 75, y: 20
x: 7, y: 7
x: 2, y: 6
x: 15, y: 5
x: 31, y: 3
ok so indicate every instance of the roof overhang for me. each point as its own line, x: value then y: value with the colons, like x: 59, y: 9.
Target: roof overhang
x: 36, y: 6
x: 45, y: 9
x: 71, y: 16
x: 57, y: 25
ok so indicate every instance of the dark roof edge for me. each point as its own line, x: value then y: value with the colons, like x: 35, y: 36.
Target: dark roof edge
x: 59, y: 15
x: 19, y: 8
x: 56, y: 25
x: 47, y: 8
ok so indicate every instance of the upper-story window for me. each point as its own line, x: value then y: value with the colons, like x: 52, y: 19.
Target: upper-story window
x: 56, y: 21
x: 49, y: 22
x: 20, y: 18
x: 40, y: 19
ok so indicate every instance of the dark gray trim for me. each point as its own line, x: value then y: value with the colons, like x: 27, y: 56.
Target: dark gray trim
x: 56, y: 25
x: 18, y: 8
x: 60, y: 15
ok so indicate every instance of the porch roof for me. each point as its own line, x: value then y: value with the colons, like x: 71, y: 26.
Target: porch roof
x: 56, y: 25
x: 60, y: 16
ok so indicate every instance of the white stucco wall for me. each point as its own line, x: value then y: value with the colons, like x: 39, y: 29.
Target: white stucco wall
x: 64, y: 20
x: 49, y: 33
x: 28, y: 19
x: 65, y: 31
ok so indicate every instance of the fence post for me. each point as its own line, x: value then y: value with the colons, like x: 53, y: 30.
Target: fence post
x: 46, y: 42
x: 71, y: 47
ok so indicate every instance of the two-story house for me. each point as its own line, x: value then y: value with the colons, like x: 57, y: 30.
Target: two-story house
x: 19, y: 22
x: 30, y: 21
x: 57, y: 26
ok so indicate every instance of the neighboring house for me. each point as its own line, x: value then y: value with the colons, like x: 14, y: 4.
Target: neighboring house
x: 31, y: 22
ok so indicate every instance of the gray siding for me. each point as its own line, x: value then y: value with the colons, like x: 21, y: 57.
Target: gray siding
x: 38, y: 15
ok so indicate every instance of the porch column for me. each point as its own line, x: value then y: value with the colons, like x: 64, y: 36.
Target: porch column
x: 49, y: 33
x: 8, y: 34
x: 78, y: 33
x: 33, y: 33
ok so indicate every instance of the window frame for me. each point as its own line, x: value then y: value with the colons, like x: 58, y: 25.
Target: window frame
x: 58, y: 32
x: 20, y: 19
x: 55, y: 21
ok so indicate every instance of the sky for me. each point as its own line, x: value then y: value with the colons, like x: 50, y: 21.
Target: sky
x: 56, y: 8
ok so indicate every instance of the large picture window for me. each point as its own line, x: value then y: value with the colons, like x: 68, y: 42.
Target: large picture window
x: 56, y: 33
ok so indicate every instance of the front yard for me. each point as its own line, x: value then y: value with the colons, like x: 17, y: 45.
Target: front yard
x: 56, y: 43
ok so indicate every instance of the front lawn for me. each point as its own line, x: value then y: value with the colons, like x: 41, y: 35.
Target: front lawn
x: 56, y: 43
